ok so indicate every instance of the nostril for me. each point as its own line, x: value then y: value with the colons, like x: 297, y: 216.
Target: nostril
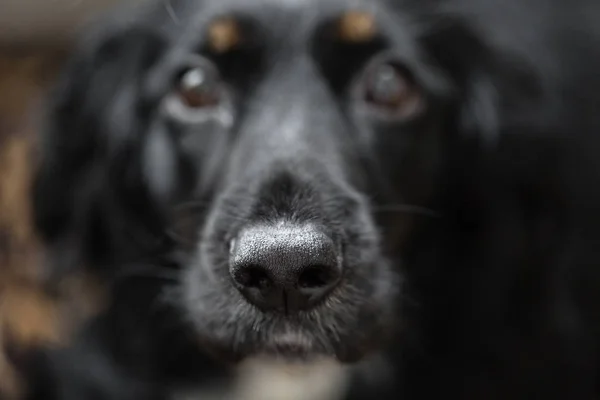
x: 253, y: 277
x: 316, y: 276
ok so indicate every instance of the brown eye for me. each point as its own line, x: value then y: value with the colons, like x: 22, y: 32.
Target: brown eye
x: 198, y: 87
x: 391, y: 87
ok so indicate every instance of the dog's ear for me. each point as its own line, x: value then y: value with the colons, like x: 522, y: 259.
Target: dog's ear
x: 489, y: 83
x: 95, y: 104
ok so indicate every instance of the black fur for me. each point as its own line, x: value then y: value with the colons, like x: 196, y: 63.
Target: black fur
x: 488, y: 197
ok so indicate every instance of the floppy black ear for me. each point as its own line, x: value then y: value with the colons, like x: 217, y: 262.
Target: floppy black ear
x: 94, y: 108
x: 491, y: 84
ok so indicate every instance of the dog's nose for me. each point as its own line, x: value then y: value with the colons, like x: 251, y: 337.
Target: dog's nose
x: 285, y: 267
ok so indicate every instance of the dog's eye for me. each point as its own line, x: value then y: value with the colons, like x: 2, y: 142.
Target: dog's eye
x: 198, y: 87
x: 390, y: 87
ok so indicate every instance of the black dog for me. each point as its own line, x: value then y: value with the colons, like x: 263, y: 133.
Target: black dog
x: 247, y: 176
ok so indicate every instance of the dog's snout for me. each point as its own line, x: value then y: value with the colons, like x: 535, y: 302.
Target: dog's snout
x: 286, y: 267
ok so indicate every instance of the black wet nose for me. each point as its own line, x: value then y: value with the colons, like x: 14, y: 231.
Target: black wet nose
x: 284, y: 267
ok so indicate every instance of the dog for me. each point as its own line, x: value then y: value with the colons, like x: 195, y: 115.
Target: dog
x: 397, y: 195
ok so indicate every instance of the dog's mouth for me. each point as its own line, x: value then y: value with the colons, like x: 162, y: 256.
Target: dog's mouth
x: 293, y: 345
x: 290, y: 346
x: 298, y: 341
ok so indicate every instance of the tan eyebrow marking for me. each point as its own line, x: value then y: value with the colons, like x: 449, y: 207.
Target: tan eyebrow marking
x: 224, y: 34
x: 357, y: 26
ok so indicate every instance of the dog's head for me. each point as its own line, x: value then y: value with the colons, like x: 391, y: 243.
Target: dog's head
x: 277, y: 152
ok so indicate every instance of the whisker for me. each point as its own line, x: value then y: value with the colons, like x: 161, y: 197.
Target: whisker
x: 148, y: 272
x: 180, y: 239
x: 171, y: 11
x: 409, y: 209
x: 192, y: 205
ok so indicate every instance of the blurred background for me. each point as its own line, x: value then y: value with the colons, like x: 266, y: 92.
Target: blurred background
x: 35, y: 38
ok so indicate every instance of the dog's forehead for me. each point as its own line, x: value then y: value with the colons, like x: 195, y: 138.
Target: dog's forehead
x: 293, y: 22
x: 271, y: 12
x: 289, y: 5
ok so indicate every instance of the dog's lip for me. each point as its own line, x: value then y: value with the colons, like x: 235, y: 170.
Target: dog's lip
x: 288, y: 345
x: 291, y: 346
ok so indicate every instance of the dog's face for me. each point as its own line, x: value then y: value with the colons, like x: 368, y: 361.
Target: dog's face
x: 279, y: 133
x: 289, y: 127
